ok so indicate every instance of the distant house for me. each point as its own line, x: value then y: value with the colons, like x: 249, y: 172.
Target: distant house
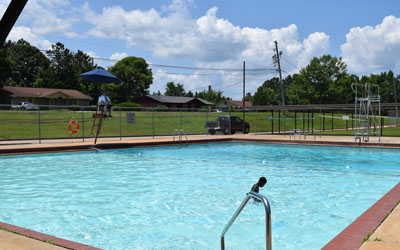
x: 43, y: 96
x: 236, y: 104
x: 172, y: 101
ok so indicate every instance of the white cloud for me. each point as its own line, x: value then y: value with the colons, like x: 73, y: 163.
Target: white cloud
x: 3, y: 6
x: 209, y: 41
x: 171, y: 33
x: 373, y: 49
x: 100, y: 62
x: 117, y: 56
x: 49, y: 17
x: 27, y: 34
x: 161, y: 77
x: 316, y: 44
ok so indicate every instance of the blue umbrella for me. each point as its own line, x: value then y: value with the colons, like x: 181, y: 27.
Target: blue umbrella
x: 100, y: 75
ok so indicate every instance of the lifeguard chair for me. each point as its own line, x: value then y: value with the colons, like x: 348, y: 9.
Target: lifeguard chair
x: 97, y: 121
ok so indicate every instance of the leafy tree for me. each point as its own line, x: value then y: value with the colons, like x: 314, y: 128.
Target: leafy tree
x: 267, y: 93
x: 27, y: 61
x: 65, y: 68
x: 174, y: 90
x: 265, y: 96
x: 388, y: 85
x: 5, y: 66
x: 61, y: 72
x: 323, y: 81
x: 211, y: 95
x: 248, y: 97
x: 189, y: 94
x: 136, y: 76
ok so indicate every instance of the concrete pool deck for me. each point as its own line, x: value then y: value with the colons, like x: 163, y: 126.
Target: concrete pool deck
x: 384, y: 231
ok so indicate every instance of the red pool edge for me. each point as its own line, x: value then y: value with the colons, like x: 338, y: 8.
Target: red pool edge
x: 46, y: 238
x: 351, y: 238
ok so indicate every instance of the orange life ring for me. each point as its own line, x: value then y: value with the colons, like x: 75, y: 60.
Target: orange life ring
x: 73, y: 131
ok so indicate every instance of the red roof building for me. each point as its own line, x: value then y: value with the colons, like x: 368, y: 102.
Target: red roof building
x: 43, y: 96
x: 172, y: 101
x: 237, y: 104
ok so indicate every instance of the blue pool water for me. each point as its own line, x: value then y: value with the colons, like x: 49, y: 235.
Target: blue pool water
x: 177, y: 197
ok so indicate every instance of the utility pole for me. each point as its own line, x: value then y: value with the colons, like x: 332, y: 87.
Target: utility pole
x: 276, y: 60
x: 244, y: 91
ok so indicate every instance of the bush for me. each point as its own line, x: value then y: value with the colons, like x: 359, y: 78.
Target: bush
x: 162, y: 108
x: 128, y: 104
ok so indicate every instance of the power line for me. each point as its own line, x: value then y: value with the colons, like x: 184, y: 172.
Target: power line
x: 290, y: 63
x: 183, y: 67
x: 236, y: 81
x: 215, y: 84
x: 204, y: 74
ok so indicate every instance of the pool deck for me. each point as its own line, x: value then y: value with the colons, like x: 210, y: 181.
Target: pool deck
x: 381, y: 222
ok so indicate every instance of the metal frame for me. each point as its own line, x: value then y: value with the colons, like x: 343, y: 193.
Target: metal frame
x: 267, y: 219
x: 366, y: 111
x: 180, y: 133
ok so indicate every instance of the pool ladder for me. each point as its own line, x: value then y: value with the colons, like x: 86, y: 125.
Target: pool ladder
x: 180, y: 133
x: 267, y: 218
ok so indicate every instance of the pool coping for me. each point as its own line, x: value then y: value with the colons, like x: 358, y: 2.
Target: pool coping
x: 40, y: 148
x: 350, y: 238
x: 45, y: 237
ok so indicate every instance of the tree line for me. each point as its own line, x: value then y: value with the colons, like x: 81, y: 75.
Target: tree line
x: 324, y: 80
x: 24, y: 65
x: 214, y: 96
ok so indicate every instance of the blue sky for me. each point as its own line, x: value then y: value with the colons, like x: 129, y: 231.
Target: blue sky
x: 219, y: 34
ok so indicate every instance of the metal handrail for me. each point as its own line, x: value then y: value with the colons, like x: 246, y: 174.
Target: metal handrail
x: 183, y: 133
x: 176, y: 132
x: 180, y: 133
x: 267, y: 219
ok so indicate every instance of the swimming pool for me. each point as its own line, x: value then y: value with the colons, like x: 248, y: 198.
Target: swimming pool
x: 178, y: 197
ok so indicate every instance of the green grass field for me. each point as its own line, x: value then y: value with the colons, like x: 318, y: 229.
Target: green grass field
x: 54, y: 123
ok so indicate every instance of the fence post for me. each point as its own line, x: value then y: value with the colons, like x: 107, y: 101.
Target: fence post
x: 152, y: 120
x: 304, y: 121
x: 352, y: 121
x: 323, y: 121
x: 295, y: 119
x: 40, y: 141
x: 181, y: 117
x: 120, y: 124
x: 256, y: 120
x: 279, y: 121
x: 207, y: 110
x: 83, y: 127
x: 312, y: 121
x: 332, y: 120
x: 272, y: 122
x: 382, y: 124
x: 230, y: 124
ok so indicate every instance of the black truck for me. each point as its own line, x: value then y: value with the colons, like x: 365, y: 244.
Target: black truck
x: 222, y: 125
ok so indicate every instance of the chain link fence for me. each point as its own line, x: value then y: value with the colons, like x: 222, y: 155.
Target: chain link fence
x: 51, y: 122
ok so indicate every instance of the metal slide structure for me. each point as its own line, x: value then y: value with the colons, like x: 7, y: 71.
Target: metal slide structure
x: 367, y: 111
